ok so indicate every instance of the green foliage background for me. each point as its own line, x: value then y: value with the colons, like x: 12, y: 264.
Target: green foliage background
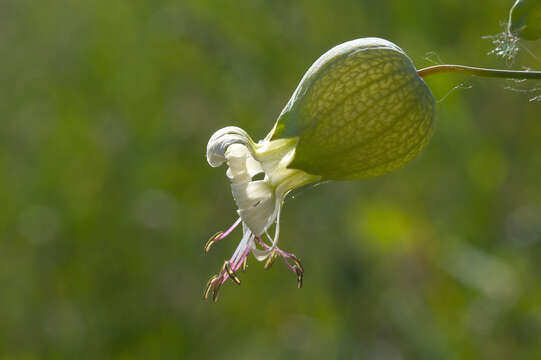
x: 107, y: 199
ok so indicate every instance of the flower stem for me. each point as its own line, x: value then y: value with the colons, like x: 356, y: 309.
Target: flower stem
x: 469, y: 70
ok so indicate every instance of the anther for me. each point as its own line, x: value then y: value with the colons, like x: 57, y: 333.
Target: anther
x: 209, y: 287
x: 231, y: 273
x: 216, y: 288
x: 212, y: 240
x: 297, y: 262
x: 270, y: 260
x: 244, y: 264
x: 299, y: 277
x: 215, y: 292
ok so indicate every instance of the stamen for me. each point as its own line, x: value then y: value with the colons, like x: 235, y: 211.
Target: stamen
x: 212, y: 240
x: 285, y: 255
x: 210, y: 286
x: 270, y: 260
x: 228, y: 231
x: 300, y: 274
x: 213, y: 285
x: 297, y: 267
x: 262, y: 243
x: 216, y: 291
x: 242, y: 262
x: 297, y: 262
x: 220, y: 235
x: 232, y: 274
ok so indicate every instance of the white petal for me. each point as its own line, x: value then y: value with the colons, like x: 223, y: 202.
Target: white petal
x: 242, y: 166
x: 236, y: 155
x: 261, y: 255
x: 257, y: 205
x: 247, y: 195
x: 253, y: 166
x: 258, y: 218
x: 274, y: 157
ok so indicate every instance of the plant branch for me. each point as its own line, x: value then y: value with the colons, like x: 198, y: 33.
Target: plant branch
x: 475, y: 71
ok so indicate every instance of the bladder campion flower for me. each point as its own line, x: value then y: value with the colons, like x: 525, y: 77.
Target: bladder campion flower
x: 361, y: 110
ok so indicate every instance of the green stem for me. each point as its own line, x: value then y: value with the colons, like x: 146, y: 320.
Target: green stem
x: 469, y: 70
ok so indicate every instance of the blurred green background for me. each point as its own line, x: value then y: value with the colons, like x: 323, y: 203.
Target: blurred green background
x: 107, y: 199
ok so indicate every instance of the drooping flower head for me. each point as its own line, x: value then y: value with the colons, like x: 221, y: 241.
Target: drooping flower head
x: 360, y: 111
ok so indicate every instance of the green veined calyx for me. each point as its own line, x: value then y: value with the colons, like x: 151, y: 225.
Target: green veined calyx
x: 360, y: 111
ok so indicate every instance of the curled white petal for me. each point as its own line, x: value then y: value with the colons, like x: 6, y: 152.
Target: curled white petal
x: 222, y: 139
